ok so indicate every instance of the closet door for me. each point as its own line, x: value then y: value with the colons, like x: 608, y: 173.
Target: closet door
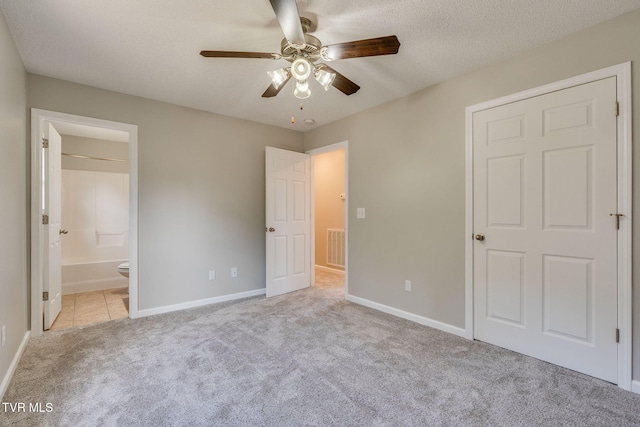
x: 545, y: 258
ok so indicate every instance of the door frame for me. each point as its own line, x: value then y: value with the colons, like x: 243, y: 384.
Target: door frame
x: 38, y: 119
x: 622, y: 72
x: 325, y: 149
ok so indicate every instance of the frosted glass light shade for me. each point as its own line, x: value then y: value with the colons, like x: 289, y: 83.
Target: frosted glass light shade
x: 302, y: 90
x: 278, y: 77
x: 301, y: 68
x: 325, y: 78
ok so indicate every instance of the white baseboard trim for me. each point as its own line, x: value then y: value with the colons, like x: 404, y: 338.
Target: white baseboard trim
x: 409, y: 316
x: 14, y: 364
x: 94, y: 285
x: 635, y: 386
x: 199, y: 303
x: 329, y: 269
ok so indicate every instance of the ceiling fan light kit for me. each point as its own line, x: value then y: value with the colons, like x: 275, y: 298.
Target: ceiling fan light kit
x: 279, y: 77
x: 301, y: 68
x: 302, y: 90
x: 302, y: 50
x: 324, y: 77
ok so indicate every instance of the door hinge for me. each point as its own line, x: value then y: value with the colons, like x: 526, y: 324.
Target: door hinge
x: 45, y: 296
x: 45, y: 219
x: 617, y: 335
x: 45, y: 143
x: 617, y: 108
x: 617, y: 215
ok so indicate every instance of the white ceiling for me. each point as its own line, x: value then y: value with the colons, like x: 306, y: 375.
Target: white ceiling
x: 150, y: 48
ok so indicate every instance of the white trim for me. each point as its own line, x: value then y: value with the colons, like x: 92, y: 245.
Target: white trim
x: 625, y: 234
x: 468, y: 247
x: 635, y: 386
x: 325, y: 149
x: 329, y: 269
x: 622, y: 72
x: 200, y: 303
x: 38, y: 118
x: 14, y: 364
x: 408, y: 316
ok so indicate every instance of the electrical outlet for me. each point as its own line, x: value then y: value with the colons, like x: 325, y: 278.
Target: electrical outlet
x: 407, y: 285
x: 234, y: 271
x: 212, y: 275
x: 4, y: 335
x: 360, y: 213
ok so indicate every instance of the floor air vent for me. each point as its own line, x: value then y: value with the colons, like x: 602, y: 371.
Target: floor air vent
x: 335, y: 247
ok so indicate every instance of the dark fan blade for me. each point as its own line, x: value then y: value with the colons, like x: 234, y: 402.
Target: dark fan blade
x: 289, y: 20
x: 272, y: 91
x: 388, y: 45
x: 227, y: 54
x: 342, y: 83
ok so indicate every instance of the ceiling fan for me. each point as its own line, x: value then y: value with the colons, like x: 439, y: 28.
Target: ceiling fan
x: 302, y: 50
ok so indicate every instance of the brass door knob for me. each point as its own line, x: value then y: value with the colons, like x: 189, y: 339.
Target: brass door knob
x: 270, y: 229
x: 480, y: 237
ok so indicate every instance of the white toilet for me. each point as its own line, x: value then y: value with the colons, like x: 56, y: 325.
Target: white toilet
x: 124, y: 269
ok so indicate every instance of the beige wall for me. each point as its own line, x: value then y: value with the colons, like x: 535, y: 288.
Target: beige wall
x: 201, y: 190
x: 13, y: 199
x: 407, y: 168
x: 329, y: 178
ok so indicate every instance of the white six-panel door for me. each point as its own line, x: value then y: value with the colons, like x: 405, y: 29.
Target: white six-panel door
x: 545, y: 275
x: 288, y: 221
x: 52, y: 283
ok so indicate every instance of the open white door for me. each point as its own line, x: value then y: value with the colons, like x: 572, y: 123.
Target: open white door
x: 52, y: 283
x: 288, y: 217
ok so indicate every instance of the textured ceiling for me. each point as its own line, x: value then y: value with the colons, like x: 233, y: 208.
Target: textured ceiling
x: 150, y: 48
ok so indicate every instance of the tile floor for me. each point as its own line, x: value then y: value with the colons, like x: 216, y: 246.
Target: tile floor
x: 92, y: 307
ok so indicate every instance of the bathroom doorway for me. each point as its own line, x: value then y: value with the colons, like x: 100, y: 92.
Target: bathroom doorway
x: 329, y: 207
x: 97, y: 197
x: 94, y: 225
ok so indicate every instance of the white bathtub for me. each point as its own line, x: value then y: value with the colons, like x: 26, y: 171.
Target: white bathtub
x: 85, y: 276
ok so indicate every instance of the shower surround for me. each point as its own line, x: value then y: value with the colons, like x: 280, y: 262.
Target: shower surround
x: 95, y: 211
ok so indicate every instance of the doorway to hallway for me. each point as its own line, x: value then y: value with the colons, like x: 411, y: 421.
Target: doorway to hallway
x: 329, y: 213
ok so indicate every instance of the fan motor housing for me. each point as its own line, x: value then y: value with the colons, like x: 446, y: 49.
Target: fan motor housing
x: 311, y: 48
